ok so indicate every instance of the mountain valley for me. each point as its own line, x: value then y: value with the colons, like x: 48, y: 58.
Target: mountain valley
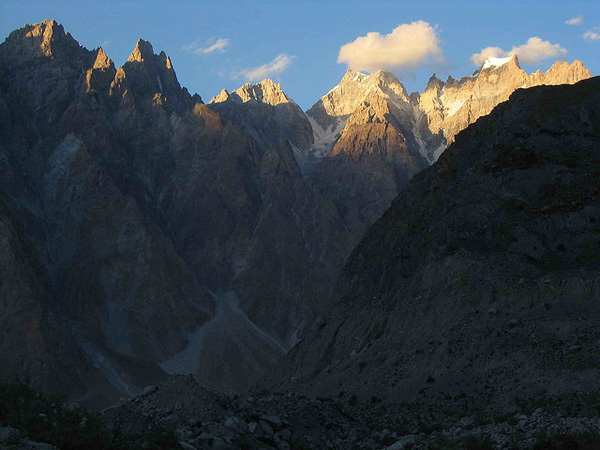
x: 245, y: 272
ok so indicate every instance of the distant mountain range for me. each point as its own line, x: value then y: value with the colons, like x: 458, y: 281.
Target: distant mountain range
x: 145, y: 233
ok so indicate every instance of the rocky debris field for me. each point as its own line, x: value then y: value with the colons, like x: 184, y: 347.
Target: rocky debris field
x: 203, y: 419
x: 10, y: 438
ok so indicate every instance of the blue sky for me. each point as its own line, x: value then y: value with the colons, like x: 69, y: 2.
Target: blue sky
x: 302, y: 39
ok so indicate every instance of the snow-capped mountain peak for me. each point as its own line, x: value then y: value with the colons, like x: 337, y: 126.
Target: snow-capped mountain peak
x: 492, y: 63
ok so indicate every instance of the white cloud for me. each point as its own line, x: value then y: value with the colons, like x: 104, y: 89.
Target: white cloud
x: 591, y: 35
x: 408, y: 46
x: 218, y: 45
x: 575, y: 21
x: 534, y: 51
x: 278, y: 65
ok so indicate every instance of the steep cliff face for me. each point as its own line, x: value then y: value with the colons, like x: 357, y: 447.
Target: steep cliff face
x: 484, y: 274
x: 377, y: 139
x: 372, y: 160
x: 330, y: 114
x: 34, y: 341
x: 432, y: 118
x: 371, y: 137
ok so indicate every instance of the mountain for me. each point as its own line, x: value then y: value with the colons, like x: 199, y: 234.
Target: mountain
x: 483, y: 277
x: 371, y: 137
x: 146, y: 234
x: 267, y: 114
x: 444, y: 108
x: 83, y: 140
x: 452, y: 106
x: 329, y: 116
x: 145, y: 231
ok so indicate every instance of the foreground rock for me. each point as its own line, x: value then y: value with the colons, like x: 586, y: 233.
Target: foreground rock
x: 203, y: 419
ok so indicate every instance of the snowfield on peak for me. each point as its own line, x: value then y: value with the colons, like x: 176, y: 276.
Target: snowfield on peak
x: 496, y: 62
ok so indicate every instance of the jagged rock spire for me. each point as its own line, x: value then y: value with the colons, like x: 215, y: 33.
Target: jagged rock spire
x: 102, y: 60
x: 143, y: 50
x: 46, y: 39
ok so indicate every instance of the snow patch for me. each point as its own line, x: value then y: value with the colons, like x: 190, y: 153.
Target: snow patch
x: 294, y: 337
x: 438, y: 151
x: 63, y: 158
x: 159, y: 84
x: 417, y: 134
x: 451, y: 107
x: 495, y: 62
x: 324, y: 138
x: 106, y: 366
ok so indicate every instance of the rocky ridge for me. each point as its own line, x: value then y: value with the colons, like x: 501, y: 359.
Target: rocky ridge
x: 371, y: 137
x: 265, y: 112
x: 452, y: 106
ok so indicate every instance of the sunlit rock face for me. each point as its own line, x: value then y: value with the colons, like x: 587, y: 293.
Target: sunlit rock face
x: 444, y: 108
x: 371, y: 137
x: 483, y: 277
x: 267, y: 114
x: 330, y: 114
x: 455, y: 104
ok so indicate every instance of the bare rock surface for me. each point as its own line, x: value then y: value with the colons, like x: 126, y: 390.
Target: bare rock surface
x: 371, y: 137
x: 267, y: 420
x: 452, y: 106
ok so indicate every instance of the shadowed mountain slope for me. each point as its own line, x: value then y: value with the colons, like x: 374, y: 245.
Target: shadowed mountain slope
x: 484, y: 275
x: 132, y: 210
